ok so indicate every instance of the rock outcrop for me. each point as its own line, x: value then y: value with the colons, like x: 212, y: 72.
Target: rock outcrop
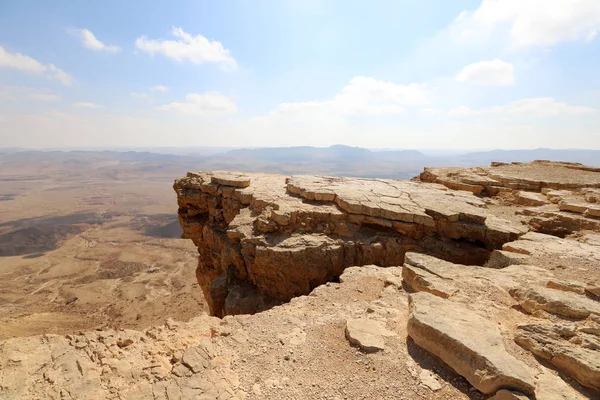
x: 263, y: 239
x: 561, y: 198
x: 502, y: 177
x: 369, y: 289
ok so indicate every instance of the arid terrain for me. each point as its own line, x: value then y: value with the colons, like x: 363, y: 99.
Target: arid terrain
x: 463, y: 283
x: 84, y: 249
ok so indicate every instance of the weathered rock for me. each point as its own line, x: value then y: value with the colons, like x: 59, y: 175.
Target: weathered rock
x: 580, y: 207
x: 93, y: 365
x: 555, y: 196
x: 427, y: 379
x: 592, y: 195
x: 369, y: 335
x: 281, y: 237
x: 591, y: 239
x: 446, y: 329
x: 502, y: 259
x: 552, y: 221
x: 504, y: 394
x: 565, y: 347
x: 419, y: 279
x: 575, y: 287
x: 230, y: 179
x: 530, y: 198
x: 557, y: 302
x: 533, y: 176
x: 537, y: 244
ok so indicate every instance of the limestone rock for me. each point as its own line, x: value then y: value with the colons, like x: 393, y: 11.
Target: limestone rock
x: 504, y: 394
x: 533, y: 176
x: 230, y: 179
x: 580, y: 207
x: 592, y: 195
x: 552, y: 221
x: 555, y: 196
x: 538, y: 244
x: 419, y: 279
x: 554, y: 301
x: 429, y: 380
x: 446, y: 329
x: 279, y: 237
x: 530, y: 198
x: 369, y: 335
x: 502, y: 259
x: 563, y: 346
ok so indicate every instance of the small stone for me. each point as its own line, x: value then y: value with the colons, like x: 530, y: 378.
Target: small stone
x: 369, y: 335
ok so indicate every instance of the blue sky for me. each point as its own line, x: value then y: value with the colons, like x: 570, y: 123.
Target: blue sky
x: 398, y: 74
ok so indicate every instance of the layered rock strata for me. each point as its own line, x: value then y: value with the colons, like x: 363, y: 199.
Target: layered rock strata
x: 263, y: 239
x: 559, y: 198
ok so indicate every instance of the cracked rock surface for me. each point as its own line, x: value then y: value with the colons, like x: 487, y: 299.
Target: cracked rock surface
x: 263, y: 239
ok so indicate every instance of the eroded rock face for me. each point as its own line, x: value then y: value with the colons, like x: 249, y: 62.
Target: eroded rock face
x: 573, y: 349
x: 468, y: 343
x: 263, y: 239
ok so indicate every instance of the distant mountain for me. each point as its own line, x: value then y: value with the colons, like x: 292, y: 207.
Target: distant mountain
x: 588, y: 157
x: 10, y: 150
x: 336, y: 153
x: 334, y: 160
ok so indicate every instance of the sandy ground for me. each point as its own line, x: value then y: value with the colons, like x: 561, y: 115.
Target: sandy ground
x: 80, y: 252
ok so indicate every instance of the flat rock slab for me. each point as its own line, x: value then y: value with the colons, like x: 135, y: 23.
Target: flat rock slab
x: 558, y: 302
x: 369, y: 335
x: 537, y: 244
x: 571, y: 350
x: 530, y: 198
x: 581, y: 207
x: 468, y: 343
x: 230, y: 179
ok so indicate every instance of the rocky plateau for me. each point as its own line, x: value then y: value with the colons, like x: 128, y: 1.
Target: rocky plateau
x: 463, y: 283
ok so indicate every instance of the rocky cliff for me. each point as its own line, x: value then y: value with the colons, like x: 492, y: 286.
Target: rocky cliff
x: 477, y: 284
x: 263, y: 239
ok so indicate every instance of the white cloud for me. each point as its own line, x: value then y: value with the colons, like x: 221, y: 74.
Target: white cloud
x: 159, y: 88
x: 85, y: 104
x: 205, y: 104
x: 144, y: 96
x: 89, y: 41
x: 530, y: 23
x: 197, y: 49
x: 44, y: 97
x: 13, y: 93
x: 532, y: 107
x: 363, y: 96
x: 25, y: 63
x: 429, y: 111
x: 488, y: 73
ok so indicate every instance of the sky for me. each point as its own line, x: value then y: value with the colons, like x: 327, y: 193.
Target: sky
x: 461, y: 74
